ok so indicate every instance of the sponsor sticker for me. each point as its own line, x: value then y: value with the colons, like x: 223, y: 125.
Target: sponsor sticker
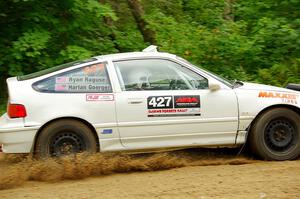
x: 290, y: 98
x: 191, y: 101
x: 171, y: 106
x: 106, y: 131
x: 99, y: 97
x: 93, y: 68
x: 264, y: 94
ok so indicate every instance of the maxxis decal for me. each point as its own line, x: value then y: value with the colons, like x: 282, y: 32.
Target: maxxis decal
x: 289, y: 98
x: 172, y: 106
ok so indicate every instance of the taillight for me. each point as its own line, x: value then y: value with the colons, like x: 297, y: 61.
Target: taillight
x: 16, y: 110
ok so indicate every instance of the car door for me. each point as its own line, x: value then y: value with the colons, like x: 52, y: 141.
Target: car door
x: 164, y: 104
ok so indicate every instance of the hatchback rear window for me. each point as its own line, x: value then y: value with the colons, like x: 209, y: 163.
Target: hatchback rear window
x: 53, y: 69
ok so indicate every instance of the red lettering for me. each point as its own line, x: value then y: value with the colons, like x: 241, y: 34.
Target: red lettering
x: 187, y: 100
x: 277, y: 95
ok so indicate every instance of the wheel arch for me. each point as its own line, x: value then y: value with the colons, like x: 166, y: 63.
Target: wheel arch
x: 255, y: 139
x: 89, y: 125
x: 291, y: 107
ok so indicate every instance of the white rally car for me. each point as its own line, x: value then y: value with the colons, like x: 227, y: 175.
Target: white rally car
x: 144, y: 101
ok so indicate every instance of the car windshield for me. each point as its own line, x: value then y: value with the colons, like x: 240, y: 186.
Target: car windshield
x: 213, y: 75
x: 54, y: 69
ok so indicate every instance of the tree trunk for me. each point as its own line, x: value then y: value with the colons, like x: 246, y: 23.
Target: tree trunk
x: 110, y: 24
x: 138, y: 14
x: 228, y: 13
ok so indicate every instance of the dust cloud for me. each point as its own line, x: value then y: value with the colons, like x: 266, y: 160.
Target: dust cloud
x: 17, y: 169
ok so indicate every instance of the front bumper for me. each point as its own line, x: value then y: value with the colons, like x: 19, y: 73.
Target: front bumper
x: 14, y: 137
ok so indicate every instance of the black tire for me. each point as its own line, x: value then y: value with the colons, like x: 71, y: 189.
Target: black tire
x: 276, y: 135
x: 65, y: 137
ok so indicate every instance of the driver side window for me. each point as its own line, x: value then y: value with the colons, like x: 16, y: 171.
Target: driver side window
x: 157, y: 74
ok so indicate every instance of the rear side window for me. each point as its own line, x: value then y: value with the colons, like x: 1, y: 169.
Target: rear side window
x: 89, y: 79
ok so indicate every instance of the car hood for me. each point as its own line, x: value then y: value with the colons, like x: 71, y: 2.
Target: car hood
x: 253, y: 86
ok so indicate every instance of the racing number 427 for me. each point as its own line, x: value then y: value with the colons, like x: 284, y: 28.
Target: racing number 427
x: 160, y: 102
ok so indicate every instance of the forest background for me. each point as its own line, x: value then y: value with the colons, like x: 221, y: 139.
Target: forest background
x: 257, y: 41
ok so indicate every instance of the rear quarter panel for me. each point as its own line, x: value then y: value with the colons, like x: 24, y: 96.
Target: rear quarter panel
x: 44, y: 107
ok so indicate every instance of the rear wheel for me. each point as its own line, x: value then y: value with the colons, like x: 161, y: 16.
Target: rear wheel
x: 65, y: 137
x: 276, y: 135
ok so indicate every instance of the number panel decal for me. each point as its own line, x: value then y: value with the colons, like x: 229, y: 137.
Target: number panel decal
x: 170, y: 106
x: 160, y: 102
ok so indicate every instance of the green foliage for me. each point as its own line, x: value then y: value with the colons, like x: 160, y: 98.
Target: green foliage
x: 31, y: 43
x: 41, y: 34
x: 263, y: 50
x: 284, y: 73
x: 247, y: 40
x: 2, y: 107
x: 206, y: 13
x: 73, y: 52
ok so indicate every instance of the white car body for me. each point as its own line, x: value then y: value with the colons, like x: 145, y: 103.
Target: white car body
x: 122, y: 120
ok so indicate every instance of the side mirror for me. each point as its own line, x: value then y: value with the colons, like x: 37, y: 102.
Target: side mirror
x: 214, y: 87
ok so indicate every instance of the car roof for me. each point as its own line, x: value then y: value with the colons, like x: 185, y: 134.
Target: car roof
x: 113, y: 57
x: 120, y: 56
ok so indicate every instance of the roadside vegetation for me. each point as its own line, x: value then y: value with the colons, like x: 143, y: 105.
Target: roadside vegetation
x: 255, y: 41
x: 2, y: 107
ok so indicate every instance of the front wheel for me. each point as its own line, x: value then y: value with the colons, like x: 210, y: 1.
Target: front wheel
x: 276, y: 135
x: 65, y: 137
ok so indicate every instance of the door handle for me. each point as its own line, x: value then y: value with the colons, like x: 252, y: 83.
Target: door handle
x: 135, y: 101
